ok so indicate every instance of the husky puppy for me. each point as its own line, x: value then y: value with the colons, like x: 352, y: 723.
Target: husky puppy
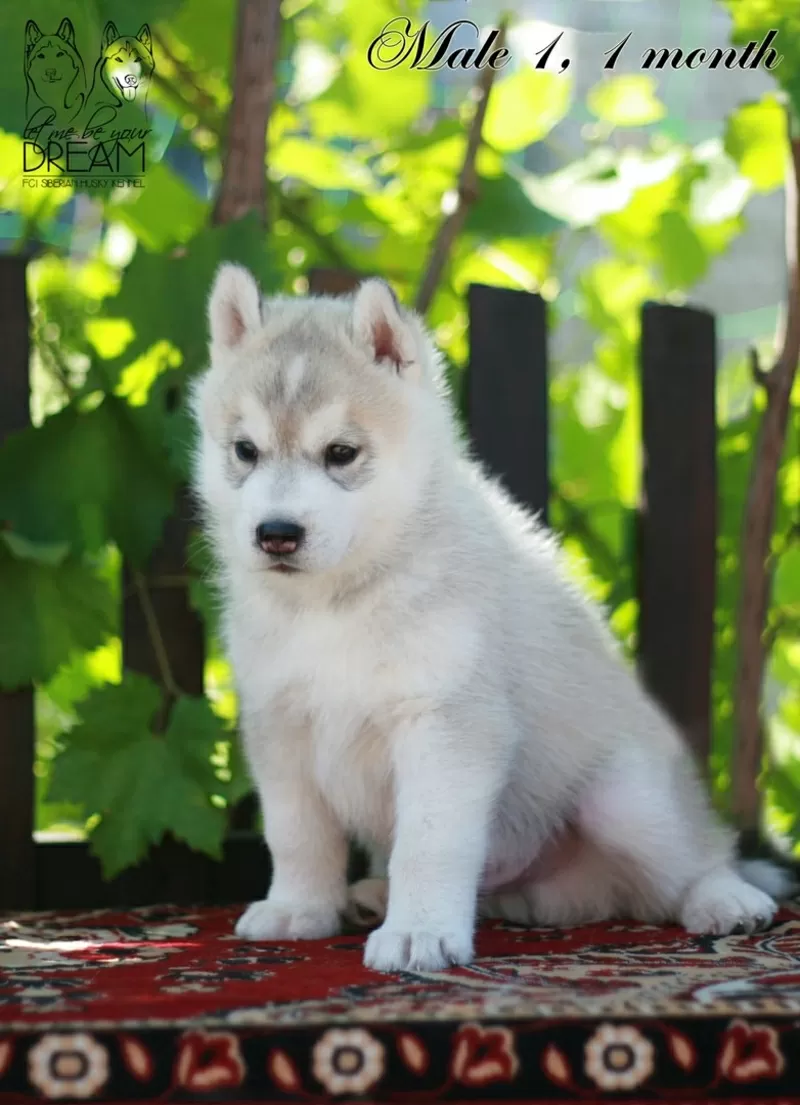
x: 55, y: 79
x: 121, y: 81
x: 415, y: 668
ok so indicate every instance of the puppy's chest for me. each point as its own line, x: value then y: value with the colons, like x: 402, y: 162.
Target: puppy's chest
x: 352, y: 698
x: 346, y: 689
x: 350, y: 683
x: 341, y: 668
x: 353, y: 769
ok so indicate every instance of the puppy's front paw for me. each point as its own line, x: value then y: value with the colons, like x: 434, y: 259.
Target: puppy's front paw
x: 285, y: 921
x: 394, y: 950
x: 723, y: 903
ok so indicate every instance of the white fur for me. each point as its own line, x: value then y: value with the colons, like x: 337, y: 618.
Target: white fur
x: 430, y: 681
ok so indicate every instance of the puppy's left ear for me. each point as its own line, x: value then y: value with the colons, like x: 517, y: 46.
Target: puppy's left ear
x: 234, y: 307
x: 379, y: 324
x: 145, y: 37
x: 110, y: 34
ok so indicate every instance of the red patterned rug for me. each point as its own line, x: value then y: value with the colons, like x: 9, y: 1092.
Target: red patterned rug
x: 167, y: 1005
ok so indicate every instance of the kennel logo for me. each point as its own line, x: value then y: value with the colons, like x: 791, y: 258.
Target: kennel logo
x: 91, y: 133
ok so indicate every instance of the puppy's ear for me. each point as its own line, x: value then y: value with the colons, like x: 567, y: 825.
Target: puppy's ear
x: 32, y: 35
x: 378, y: 324
x: 66, y: 31
x: 110, y: 33
x: 145, y: 38
x: 234, y: 307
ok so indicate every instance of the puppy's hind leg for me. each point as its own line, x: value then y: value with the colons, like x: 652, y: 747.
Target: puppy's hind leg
x: 367, y: 902
x: 368, y: 898
x: 649, y: 812
x: 582, y: 890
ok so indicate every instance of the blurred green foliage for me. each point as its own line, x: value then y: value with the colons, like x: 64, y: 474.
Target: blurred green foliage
x: 119, y: 330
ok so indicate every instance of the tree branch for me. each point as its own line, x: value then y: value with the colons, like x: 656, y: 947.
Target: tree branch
x: 760, y: 376
x: 758, y: 525
x: 244, y: 181
x: 453, y: 223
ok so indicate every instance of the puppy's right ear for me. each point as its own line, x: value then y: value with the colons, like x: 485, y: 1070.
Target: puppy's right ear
x: 234, y: 307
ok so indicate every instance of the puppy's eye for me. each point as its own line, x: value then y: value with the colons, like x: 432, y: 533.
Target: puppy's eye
x: 246, y: 451
x: 339, y: 455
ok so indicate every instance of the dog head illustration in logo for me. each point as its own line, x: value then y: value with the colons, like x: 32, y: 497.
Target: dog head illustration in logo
x: 123, y: 71
x: 55, y: 78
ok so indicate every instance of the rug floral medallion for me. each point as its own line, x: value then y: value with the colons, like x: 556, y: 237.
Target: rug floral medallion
x: 165, y: 1004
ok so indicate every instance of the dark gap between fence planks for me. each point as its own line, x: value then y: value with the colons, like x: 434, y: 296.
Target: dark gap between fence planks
x: 507, y: 386
x: 17, y: 721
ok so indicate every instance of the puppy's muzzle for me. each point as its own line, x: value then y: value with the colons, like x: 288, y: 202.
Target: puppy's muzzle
x: 279, y: 537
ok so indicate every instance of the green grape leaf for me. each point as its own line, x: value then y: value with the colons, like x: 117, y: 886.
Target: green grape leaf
x: 142, y: 783
x: 756, y: 138
x: 320, y: 166
x: 163, y: 213
x: 206, y: 29
x: 163, y: 296
x: 504, y: 210
x: 524, y: 108
x: 50, y: 611
x: 681, y: 252
x: 362, y: 101
x: 192, y: 732
x: 86, y: 478
x: 165, y: 422
x: 786, y: 584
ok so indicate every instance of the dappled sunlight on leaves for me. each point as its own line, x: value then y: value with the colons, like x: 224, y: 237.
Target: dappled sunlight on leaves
x: 626, y: 101
x: 525, y: 107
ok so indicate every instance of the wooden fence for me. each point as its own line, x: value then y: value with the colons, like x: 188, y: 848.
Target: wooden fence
x: 507, y: 389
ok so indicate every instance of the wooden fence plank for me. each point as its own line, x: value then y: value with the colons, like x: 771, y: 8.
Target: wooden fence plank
x: 678, y: 515
x: 507, y: 389
x: 17, y: 726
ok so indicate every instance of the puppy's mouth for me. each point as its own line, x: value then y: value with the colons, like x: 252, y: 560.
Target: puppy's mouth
x: 128, y: 85
x: 284, y: 569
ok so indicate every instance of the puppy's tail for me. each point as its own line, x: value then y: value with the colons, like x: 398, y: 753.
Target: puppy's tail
x: 777, y: 881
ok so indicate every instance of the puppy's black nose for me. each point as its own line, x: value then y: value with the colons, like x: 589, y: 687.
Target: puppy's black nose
x: 280, y: 537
